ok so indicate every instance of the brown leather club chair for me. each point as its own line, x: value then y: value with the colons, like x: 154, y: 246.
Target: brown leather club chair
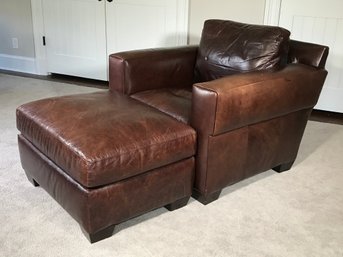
x: 248, y: 90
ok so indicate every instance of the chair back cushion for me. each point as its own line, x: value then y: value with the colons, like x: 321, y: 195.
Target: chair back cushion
x: 228, y: 47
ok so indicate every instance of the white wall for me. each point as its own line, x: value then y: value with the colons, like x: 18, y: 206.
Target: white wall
x: 238, y: 10
x: 16, y: 22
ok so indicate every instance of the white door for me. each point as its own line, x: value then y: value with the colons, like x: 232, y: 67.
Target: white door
x: 138, y: 24
x: 320, y: 22
x: 76, y: 37
x: 80, y: 34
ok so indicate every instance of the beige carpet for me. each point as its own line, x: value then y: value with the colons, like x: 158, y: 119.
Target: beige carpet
x: 294, y: 214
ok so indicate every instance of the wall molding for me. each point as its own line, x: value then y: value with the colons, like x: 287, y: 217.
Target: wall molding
x: 18, y: 63
x: 272, y: 12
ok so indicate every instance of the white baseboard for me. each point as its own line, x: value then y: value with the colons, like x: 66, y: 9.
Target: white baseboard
x: 18, y: 63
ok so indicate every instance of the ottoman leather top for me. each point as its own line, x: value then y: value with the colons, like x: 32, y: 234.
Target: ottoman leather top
x: 100, y: 138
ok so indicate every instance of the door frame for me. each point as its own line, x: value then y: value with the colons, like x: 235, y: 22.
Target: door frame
x: 38, y: 31
x: 272, y: 11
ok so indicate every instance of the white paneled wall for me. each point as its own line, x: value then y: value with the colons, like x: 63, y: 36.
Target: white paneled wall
x: 320, y: 22
x: 327, y: 31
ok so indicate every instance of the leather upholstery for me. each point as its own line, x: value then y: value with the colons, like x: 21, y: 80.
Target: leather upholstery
x: 109, y: 156
x: 103, y: 137
x: 245, y: 123
x: 233, y: 156
x: 97, y: 208
x: 307, y: 53
x: 172, y: 101
x: 228, y: 47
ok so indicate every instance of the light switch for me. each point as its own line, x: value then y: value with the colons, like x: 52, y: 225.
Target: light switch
x: 15, y: 42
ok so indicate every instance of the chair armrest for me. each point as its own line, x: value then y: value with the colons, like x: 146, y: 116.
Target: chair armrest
x: 134, y: 71
x: 244, y: 99
x: 308, y: 53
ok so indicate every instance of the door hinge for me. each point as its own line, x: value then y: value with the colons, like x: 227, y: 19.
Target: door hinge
x: 44, y: 41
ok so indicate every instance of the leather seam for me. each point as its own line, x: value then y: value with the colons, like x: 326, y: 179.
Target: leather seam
x: 136, y: 148
x: 125, y: 64
x: 216, y: 104
x: 208, y: 138
x: 120, y: 59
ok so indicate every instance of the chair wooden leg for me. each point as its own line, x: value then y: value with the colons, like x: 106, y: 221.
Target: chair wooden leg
x: 99, y: 235
x: 177, y: 204
x: 206, y: 199
x: 283, y: 167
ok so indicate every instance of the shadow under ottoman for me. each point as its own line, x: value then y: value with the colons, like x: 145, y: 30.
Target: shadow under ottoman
x: 105, y: 157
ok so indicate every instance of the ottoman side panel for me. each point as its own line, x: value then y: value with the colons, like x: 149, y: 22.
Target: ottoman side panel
x: 132, y: 197
x: 68, y: 193
x: 97, y: 208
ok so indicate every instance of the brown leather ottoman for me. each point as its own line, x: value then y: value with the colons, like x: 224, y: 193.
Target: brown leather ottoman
x: 105, y: 157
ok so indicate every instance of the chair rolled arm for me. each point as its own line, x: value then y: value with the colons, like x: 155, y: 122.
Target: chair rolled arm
x: 139, y: 70
x: 239, y: 100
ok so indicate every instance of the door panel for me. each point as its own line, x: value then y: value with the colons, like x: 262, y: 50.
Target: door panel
x: 76, y: 37
x: 80, y: 34
x: 138, y: 24
x: 320, y: 22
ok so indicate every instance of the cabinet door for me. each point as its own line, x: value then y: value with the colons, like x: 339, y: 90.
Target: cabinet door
x: 320, y: 22
x: 76, y: 37
x: 138, y: 24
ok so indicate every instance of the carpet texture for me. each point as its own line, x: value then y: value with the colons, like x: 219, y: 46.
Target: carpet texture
x: 296, y: 213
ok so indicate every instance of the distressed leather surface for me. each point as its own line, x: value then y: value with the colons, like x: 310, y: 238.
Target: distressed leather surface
x: 245, y: 123
x: 103, y: 137
x: 234, y: 116
x: 235, y: 101
x: 140, y: 70
x: 97, y: 208
x: 308, y: 53
x: 233, y: 156
x: 172, y: 101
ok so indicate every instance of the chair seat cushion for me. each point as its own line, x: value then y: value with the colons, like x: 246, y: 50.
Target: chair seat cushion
x: 100, y: 138
x: 174, y: 102
x: 228, y: 47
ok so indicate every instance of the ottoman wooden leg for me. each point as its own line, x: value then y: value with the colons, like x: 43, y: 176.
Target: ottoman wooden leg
x: 283, y: 167
x: 206, y: 199
x: 177, y: 204
x: 99, y: 235
x: 33, y: 182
